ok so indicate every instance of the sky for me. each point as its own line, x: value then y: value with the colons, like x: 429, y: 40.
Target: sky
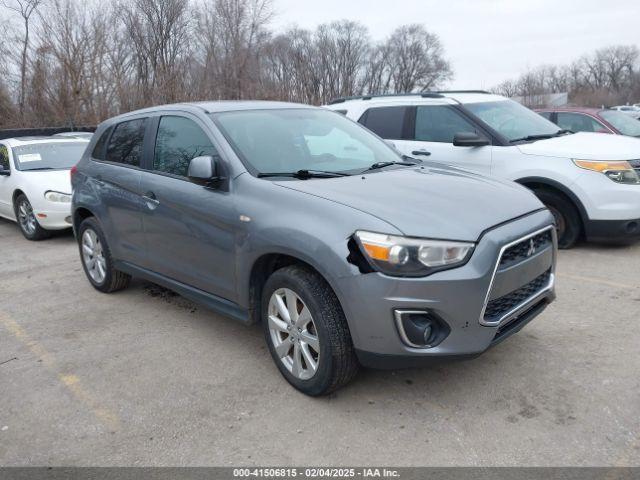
x: 486, y: 41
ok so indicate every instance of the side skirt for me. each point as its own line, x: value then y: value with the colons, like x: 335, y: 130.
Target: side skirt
x: 213, y: 302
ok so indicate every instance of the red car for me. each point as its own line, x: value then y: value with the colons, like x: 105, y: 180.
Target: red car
x: 601, y: 120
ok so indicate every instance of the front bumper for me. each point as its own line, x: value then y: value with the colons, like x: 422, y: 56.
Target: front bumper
x: 54, y: 219
x: 458, y: 297
x: 613, y: 231
x: 392, y: 362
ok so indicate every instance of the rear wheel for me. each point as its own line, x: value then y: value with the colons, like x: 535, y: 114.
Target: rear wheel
x: 566, y: 215
x: 306, y: 331
x: 96, y: 258
x: 27, y: 222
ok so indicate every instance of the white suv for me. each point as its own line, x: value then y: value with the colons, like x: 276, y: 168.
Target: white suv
x: 589, y: 181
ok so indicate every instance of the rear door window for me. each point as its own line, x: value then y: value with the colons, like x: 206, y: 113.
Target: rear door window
x: 386, y: 122
x: 440, y: 123
x: 126, y: 143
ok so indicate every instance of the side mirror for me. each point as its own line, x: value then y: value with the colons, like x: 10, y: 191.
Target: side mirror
x: 204, y: 171
x: 469, y: 139
x: 3, y: 172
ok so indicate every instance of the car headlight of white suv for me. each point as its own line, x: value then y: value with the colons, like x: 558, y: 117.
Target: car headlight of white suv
x: 57, y: 197
x: 619, y: 171
x: 411, y: 257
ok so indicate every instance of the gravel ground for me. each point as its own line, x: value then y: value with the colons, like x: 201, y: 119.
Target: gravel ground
x: 145, y: 377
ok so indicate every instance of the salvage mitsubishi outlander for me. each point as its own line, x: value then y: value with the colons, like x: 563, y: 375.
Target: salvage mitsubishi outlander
x: 346, y: 252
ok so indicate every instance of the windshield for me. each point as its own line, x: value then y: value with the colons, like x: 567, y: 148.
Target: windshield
x: 512, y: 120
x: 290, y: 140
x: 48, y: 156
x: 625, y: 124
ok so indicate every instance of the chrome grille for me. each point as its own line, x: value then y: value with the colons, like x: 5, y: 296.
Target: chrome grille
x: 498, y: 307
x: 532, y: 257
x: 525, y: 249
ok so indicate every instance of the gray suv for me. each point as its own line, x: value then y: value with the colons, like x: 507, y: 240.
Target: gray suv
x: 347, y: 252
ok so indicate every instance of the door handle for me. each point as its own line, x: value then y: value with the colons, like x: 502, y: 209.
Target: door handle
x: 421, y: 152
x: 151, y: 200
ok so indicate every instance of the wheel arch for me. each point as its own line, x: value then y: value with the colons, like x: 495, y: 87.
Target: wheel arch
x: 16, y: 193
x: 80, y: 214
x: 262, y: 268
x: 534, y: 183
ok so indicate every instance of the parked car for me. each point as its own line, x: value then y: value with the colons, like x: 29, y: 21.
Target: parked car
x: 304, y: 220
x: 85, y: 135
x: 35, y: 188
x: 632, y: 110
x: 589, y: 181
x: 595, y: 120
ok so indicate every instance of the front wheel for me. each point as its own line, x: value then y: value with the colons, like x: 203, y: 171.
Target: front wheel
x: 27, y: 222
x: 566, y: 215
x: 306, y: 331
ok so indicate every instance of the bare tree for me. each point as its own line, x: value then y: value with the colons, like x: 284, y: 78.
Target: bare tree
x: 25, y: 8
x: 417, y: 59
x: 159, y: 31
x: 87, y: 62
x: 341, y: 54
x: 607, y: 76
x: 233, y: 35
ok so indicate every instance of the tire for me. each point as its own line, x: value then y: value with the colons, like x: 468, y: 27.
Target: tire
x: 27, y: 221
x: 101, y: 272
x: 336, y: 362
x: 567, y: 217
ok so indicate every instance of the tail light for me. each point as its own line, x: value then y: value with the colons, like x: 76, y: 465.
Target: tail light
x: 73, y: 172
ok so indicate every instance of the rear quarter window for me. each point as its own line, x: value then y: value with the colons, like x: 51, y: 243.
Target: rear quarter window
x: 99, y: 151
x: 386, y: 122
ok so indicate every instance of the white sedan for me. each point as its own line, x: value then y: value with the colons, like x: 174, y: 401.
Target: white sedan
x: 631, y: 110
x: 35, y: 186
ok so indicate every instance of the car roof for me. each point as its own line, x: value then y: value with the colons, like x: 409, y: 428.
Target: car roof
x: 33, y: 140
x: 446, y: 97
x: 215, y: 107
x: 590, y: 110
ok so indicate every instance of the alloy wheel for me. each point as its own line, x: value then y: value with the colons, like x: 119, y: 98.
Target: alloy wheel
x: 26, y: 217
x: 293, y: 333
x: 93, y: 256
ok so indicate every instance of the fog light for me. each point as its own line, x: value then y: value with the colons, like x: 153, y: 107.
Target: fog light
x: 421, y: 328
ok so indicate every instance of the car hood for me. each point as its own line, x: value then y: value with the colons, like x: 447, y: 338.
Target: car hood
x: 428, y: 201
x: 586, y: 146
x: 44, y: 180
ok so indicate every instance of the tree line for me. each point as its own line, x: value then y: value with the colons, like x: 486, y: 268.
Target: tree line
x: 70, y: 62
x: 609, y: 76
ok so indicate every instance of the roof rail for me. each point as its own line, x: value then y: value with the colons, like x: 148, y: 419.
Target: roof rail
x: 464, y: 91
x: 385, y: 95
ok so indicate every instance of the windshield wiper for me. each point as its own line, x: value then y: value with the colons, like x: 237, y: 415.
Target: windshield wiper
x: 379, y: 165
x: 39, y: 168
x: 304, y: 174
x: 541, y: 136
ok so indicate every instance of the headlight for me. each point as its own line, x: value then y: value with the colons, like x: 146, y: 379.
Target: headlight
x: 415, y: 257
x: 618, y: 171
x: 57, y: 197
